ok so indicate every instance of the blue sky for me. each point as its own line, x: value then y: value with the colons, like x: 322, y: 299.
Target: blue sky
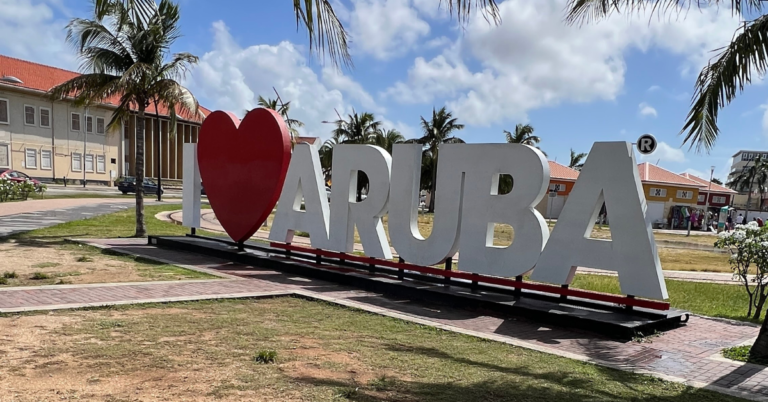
x: 608, y: 81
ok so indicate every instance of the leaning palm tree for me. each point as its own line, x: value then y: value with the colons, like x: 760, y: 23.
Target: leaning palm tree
x: 282, y: 108
x: 387, y: 139
x: 753, y: 177
x: 438, y: 130
x: 524, y: 135
x: 577, y: 160
x: 326, y: 33
x: 357, y: 128
x: 127, y: 59
x: 726, y: 74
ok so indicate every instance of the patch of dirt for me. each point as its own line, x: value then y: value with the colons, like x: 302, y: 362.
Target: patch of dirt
x: 63, y: 266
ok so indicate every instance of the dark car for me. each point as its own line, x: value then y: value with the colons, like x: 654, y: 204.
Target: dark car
x: 127, y: 185
x: 15, y: 175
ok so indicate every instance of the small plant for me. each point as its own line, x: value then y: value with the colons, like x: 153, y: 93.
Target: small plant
x: 301, y: 234
x: 46, y: 265
x: 346, y: 392
x: 266, y: 356
x: 109, y: 324
x: 381, y: 383
x: 83, y: 258
x: 3, y: 281
x: 40, y: 275
x: 739, y: 353
x: 41, y: 189
x: 10, y: 275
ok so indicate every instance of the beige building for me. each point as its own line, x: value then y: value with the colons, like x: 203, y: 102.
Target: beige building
x: 55, y: 140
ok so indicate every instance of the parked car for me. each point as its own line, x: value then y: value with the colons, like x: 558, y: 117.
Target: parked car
x: 15, y: 175
x: 328, y: 193
x: 127, y: 185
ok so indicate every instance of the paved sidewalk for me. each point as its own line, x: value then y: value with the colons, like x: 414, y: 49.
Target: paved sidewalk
x: 25, y: 207
x: 689, y: 354
x: 53, y: 212
x: 209, y: 222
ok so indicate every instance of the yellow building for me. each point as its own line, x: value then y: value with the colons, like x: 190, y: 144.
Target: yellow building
x: 665, y: 190
x: 55, y: 140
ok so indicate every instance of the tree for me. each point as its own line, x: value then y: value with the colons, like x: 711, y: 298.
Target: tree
x: 326, y: 156
x: 726, y: 74
x: 438, y: 130
x: 357, y: 129
x: 122, y: 57
x: 577, y: 160
x: 754, y: 176
x: 387, y: 139
x: 524, y: 135
x: 282, y: 108
x: 717, y: 181
x: 326, y: 32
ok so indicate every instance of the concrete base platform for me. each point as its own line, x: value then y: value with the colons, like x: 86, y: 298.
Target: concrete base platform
x: 603, y: 318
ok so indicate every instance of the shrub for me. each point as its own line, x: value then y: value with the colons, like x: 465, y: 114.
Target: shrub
x: 83, y: 258
x: 266, y: 356
x: 10, y: 275
x: 748, y: 245
x: 3, y: 281
x: 39, y: 275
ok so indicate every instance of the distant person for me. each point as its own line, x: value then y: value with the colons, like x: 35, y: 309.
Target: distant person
x: 760, y: 222
x: 740, y: 219
x: 728, y: 223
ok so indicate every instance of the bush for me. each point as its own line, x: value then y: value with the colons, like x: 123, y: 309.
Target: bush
x: 10, y: 275
x: 39, y: 275
x: 748, y: 245
x: 266, y: 356
x: 3, y: 281
x: 11, y: 190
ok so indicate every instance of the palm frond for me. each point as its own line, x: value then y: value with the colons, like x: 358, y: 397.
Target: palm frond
x: 325, y: 30
x: 721, y: 80
x: 585, y: 11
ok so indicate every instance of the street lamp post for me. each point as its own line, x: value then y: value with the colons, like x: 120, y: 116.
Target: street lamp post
x: 709, y: 192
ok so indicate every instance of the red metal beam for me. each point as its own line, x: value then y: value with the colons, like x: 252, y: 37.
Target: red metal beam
x: 494, y: 280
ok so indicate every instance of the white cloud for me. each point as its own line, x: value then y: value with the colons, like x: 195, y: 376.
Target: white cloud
x: 231, y: 78
x: 646, y: 110
x: 654, y: 88
x: 665, y: 153
x: 765, y: 119
x: 440, y: 41
x: 696, y: 173
x: 32, y: 32
x: 533, y: 59
x: 385, y: 28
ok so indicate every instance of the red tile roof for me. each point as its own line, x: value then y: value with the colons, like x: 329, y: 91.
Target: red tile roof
x: 655, y: 174
x: 716, y: 188
x: 42, y: 78
x: 308, y: 140
x: 562, y: 172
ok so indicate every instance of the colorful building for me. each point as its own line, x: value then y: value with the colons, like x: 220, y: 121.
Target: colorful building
x: 718, y: 195
x: 50, y: 140
x: 561, y: 181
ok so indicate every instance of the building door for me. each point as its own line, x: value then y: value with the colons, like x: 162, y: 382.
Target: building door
x: 554, y: 207
x: 654, y: 212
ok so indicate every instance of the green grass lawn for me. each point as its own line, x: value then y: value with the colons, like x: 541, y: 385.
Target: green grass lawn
x: 290, y: 349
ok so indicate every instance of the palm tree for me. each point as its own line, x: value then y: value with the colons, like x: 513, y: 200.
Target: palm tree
x: 717, y: 181
x: 125, y: 58
x: 438, y: 130
x: 282, y: 109
x: 577, y: 160
x: 326, y: 155
x: 754, y: 176
x: 386, y: 139
x: 357, y: 129
x: 727, y: 72
x: 325, y: 31
x: 524, y: 135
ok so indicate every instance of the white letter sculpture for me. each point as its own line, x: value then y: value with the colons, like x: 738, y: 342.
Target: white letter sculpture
x: 404, y: 233
x: 610, y: 174
x: 304, y: 179
x: 366, y: 214
x: 482, y: 207
x: 190, y: 202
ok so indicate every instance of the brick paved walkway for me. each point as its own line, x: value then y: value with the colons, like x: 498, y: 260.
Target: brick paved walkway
x: 689, y: 354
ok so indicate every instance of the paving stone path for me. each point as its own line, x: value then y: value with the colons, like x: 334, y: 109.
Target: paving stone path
x: 690, y: 354
x: 53, y: 212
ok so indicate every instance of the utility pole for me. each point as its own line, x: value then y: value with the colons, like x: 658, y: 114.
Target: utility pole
x: 709, y: 195
x: 85, y: 147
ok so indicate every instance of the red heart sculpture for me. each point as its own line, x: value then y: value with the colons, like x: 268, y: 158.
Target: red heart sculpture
x: 243, y: 166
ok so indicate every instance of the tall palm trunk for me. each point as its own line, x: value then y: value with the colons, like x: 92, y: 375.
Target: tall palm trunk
x: 759, y: 351
x: 749, y: 201
x: 434, y: 183
x: 141, y: 230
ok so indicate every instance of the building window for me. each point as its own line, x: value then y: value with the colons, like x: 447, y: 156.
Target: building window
x: 45, y: 159
x: 89, y: 163
x: 718, y: 199
x: 657, y: 192
x: 75, y: 124
x: 45, y: 117
x: 702, y: 197
x: 89, y: 124
x: 685, y: 194
x: 4, y: 111
x: 31, y: 158
x: 29, y: 115
x: 99, y: 125
x: 100, y: 164
x: 5, y: 153
x: 77, y: 162
x: 557, y: 187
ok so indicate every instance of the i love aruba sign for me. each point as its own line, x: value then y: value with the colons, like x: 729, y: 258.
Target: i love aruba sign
x: 247, y: 167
